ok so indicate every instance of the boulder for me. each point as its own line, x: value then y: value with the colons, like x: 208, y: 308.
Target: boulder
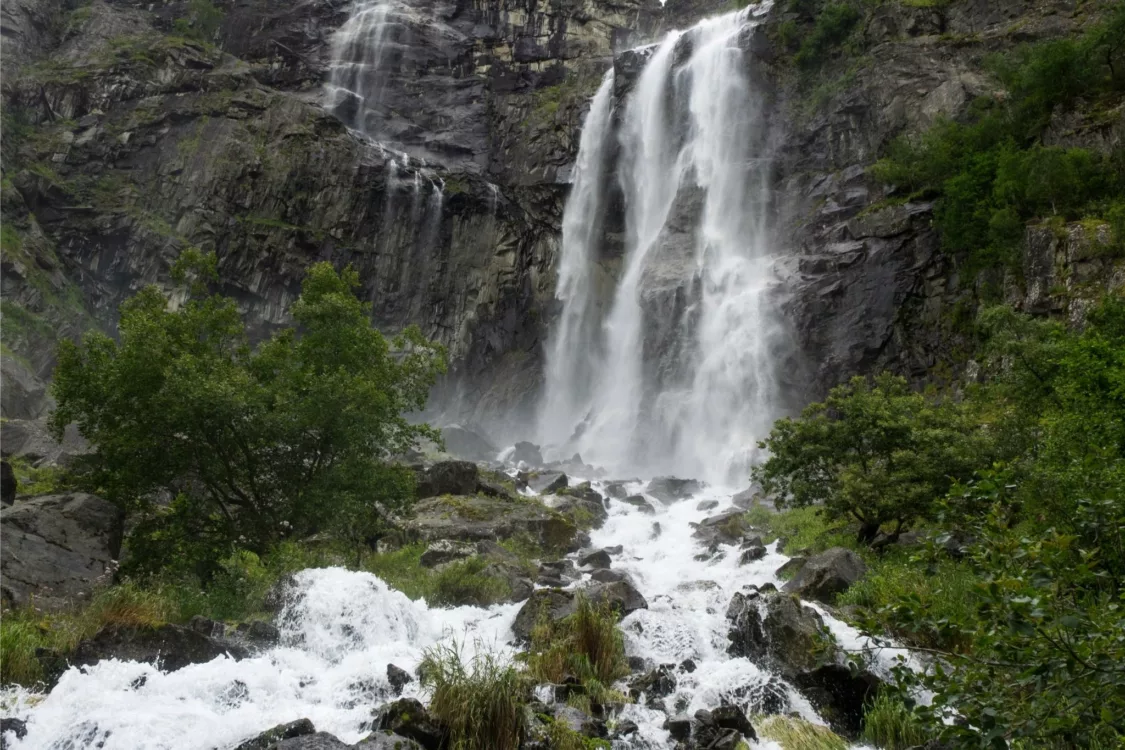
x: 467, y: 444
x: 527, y: 453
x: 557, y: 570
x: 776, y: 631
x: 447, y: 478
x: 587, y: 510
x: 477, y: 518
x: 445, y: 551
x: 678, y: 726
x: 598, y: 558
x: 170, y: 647
x: 514, y: 577
x: 747, y: 498
x: 409, y: 718
x: 283, y: 591
x: 270, y: 737
x: 316, y: 741
x: 824, y: 576
x: 556, y: 604
x: 580, y: 721
x: 399, y: 678
x: 57, y: 547
x: 616, y: 490
x: 791, y: 567
x: 258, y: 634
x: 654, y: 686
x: 638, y: 501
x: 547, y: 482
x: 384, y: 740
x: 707, y: 505
x: 605, y: 575
x: 8, y: 485
x: 733, y: 717
x: 751, y: 554
x: 13, y: 725
x: 727, y: 527
x: 31, y: 439
x: 839, y: 694
x: 670, y: 489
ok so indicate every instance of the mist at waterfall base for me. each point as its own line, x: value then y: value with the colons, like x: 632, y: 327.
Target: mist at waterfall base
x: 340, y: 629
x: 678, y: 374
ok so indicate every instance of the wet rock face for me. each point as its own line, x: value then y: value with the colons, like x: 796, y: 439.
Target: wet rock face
x: 171, y: 647
x: 777, y: 631
x: 271, y: 737
x: 671, y: 489
x: 824, y: 576
x: 409, y: 718
x: 448, y: 478
x: 57, y: 547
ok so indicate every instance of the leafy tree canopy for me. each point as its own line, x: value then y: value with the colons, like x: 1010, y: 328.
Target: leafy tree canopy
x: 214, y: 444
x: 875, y: 452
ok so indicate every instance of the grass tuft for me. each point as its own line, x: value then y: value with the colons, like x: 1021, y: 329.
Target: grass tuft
x: 797, y: 734
x: 889, y: 725
x: 586, y: 645
x: 480, y: 702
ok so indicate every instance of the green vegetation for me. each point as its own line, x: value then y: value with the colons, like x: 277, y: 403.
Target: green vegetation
x: 889, y: 725
x: 1015, y: 588
x: 875, y: 452
x: 992, y: 175
x: 202, y: 22
x: 586, y: 645
x: 252, y: 446
x: 37, y: 480
x: 834, y: 23
x: 482, y: 702
x: 797, y: 734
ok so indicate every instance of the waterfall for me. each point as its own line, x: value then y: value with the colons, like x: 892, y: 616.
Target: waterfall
x: 683, y: 378
x: 573, y: 358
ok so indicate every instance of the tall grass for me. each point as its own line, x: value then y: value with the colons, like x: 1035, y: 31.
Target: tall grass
x: 797, y: 734
x: 803, y: 528
x: 586, y: 645
x: 481, y: 702
x: 24, y: 630
x: 889, y: 725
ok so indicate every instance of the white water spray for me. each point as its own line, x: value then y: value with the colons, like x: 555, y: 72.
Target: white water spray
x: 685, y: 378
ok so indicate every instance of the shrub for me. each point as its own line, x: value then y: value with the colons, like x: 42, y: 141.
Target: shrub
x: 466, y: 582
x: 833, y: 25
x: 204, y: 19
x: 876, y: 453
x: 253, y: 445
x: 480, y: 702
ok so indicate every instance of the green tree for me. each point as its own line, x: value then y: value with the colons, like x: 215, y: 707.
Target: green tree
x: 877, y: 453
x: 215, y: 445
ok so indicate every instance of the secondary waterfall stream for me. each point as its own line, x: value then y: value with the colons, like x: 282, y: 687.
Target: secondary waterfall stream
x: 679, y: 374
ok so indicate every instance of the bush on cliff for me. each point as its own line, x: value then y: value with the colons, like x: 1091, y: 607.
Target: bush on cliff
x: 213, y: 444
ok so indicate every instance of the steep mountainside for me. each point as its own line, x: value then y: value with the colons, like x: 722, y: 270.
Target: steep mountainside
x: 133, y: 131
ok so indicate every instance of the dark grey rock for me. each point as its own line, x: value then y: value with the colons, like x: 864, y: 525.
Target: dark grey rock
x: 259, y: 633
x: 598, y: 558
x: 791, y: 567
x: 399, y: 678
x: 556, y: 604
x: 727, y: 527
x: 527, y: 453
x: 409, y: 718
x: 207, y: 626
x: 16, y: 727
x: 733, y: 717
x: 447, y: 550
x: 57, y: 548
x: 638, y: 501
x: 547, y: 482
x: 776, y: 631
x: 671, y: 489
x: 839, y: 694
x: 317, y: 741
x: 751, y: 554
x: 707, y: 505
x: 580, y: 722
x: 384, y: 740
x: 8, y: 485
x: 654, y: 686
x: 679, y: 726
x: 467, y: 444
x: 270, y: 737
x: 448, y: 478
x: 170, y: 647
x: 824, y: 576
x: 605, y: 575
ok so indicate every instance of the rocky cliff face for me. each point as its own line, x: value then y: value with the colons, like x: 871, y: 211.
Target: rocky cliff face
x: 135, y: 130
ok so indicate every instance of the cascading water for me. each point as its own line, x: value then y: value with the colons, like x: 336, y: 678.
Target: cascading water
x: 340, y: 630
x: 684, y: 380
